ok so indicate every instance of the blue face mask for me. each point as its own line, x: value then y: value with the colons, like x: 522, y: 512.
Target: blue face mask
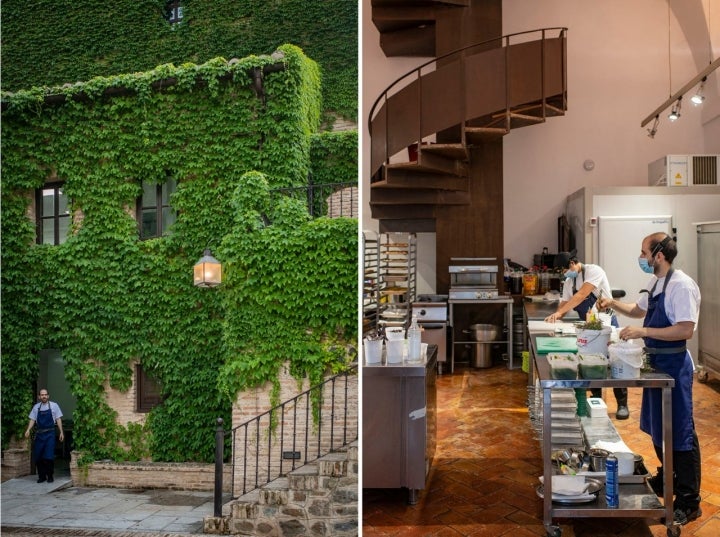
x: 571, y: 274
x: 645, y: 265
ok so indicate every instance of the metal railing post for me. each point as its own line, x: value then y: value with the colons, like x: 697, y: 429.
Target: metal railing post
x: 219, y: 444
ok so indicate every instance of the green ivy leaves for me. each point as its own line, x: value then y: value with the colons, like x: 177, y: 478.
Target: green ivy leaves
x: 107, y: 300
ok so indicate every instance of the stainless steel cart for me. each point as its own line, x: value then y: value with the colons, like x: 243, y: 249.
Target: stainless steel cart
x: 636, y: 499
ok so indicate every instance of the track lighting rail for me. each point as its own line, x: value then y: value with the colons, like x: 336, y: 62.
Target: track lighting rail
x: 673, y: 98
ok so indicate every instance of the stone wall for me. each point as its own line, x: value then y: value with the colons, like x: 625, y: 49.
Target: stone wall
x: 15, y: 461
x: 343, y: 203
x: 124, y: 403
x: 148, y: 475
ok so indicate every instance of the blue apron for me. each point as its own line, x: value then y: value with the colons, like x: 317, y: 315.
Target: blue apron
x: 587, y: 304
x: 679, y: 366
x: 44, y: 447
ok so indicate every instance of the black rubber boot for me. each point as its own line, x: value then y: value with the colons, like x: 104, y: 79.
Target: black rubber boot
x: 621, y: 396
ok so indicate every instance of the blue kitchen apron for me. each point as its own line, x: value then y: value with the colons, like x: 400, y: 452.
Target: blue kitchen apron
x: 587, y: 304
x: 676, y: 364
x: 44, y: 447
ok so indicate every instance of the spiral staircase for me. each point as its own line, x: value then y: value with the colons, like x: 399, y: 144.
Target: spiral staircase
x: 426, y: 127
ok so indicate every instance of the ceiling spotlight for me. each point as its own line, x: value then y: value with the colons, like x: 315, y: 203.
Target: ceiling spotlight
x: 653, y: 130
x: 675, y: 114
x: 699, y: 97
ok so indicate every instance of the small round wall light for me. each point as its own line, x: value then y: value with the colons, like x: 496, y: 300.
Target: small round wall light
x: 589, y: 165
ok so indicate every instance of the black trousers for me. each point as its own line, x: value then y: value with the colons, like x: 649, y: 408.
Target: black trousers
x: 687, y: 475
x: 620, y: 395
x: 45, y: 468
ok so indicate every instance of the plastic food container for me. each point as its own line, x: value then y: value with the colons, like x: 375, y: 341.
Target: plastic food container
x: 626, y: 360
x: 563, y: 366
x: 592, y: 366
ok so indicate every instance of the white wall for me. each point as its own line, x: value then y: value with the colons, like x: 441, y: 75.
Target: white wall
x: 618, y: 73
x: 686, y: 205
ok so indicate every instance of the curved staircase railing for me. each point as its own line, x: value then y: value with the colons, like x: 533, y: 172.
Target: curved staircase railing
x: 487, y: 88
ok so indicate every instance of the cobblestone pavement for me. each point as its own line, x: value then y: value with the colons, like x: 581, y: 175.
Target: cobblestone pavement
x: 58, y: 509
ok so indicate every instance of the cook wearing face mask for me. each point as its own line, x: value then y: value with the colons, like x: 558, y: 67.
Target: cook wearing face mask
x: 583, y: 284
x: 669, y: 307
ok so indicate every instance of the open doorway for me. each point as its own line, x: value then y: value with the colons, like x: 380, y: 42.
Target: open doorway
x: 52, y: 377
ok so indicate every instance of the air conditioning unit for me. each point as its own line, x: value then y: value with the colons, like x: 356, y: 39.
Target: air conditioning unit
x: 684, y: 170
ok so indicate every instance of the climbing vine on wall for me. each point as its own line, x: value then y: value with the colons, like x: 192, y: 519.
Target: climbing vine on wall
x: 48, y: 42
x: 106, y: 299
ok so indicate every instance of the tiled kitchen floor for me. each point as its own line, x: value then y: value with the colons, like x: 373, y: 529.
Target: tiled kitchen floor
x: 487, y: 463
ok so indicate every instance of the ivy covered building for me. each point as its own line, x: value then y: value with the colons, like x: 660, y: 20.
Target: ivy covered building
x: 112, y: 187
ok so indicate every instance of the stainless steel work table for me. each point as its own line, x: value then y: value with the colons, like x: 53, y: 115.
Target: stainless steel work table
x: 538, y: 311
x: 636, y: 499
x: 399, y: 424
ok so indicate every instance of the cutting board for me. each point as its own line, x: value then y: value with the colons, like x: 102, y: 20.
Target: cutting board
x: 556, y: 344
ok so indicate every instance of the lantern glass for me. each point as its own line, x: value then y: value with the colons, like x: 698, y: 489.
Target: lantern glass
x: 207, y: 272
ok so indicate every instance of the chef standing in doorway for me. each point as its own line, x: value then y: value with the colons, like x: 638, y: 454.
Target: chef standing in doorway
x: 47, y: 415
x: 584, y: 285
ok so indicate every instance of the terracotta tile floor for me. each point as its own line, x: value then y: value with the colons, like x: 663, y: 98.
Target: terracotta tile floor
x: 482, y: 482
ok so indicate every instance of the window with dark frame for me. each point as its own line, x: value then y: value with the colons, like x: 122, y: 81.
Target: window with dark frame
x: 174, y: 12
x: 52, y: 214
x: 147, y: 392
x: 154, y: 212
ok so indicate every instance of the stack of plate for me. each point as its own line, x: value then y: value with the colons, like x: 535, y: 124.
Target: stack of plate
x: 566, y: 428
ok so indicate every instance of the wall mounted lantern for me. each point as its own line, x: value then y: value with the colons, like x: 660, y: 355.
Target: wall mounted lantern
x: 207, y: 272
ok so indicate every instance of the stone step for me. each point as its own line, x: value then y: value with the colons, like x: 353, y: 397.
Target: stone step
x: 333, y: 465
x: 315, y: 490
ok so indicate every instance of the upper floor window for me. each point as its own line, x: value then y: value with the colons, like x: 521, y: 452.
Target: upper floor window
x: 173, y: 12
x: 52, y: 211
x: 155, y: 215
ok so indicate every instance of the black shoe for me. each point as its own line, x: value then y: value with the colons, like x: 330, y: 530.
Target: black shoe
x: 656, y: 484
x: 41, y: 480
x: 50, y: 479
x: 622, y: 413
x: 683, y: 515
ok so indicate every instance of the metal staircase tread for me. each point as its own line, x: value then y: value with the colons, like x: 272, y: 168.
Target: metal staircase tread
x: 455, y: 151
x: 419, y: 167
x: 526, y: 117
x: 485, y: 133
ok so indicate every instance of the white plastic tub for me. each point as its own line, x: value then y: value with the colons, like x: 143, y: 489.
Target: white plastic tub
x: 626, y: 360
x: 593, y: 341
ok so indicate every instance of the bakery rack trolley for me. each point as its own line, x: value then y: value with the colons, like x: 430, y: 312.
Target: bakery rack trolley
x: 636, y: 499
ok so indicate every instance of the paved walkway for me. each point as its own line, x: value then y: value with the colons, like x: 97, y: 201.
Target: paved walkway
x: 59, y: 509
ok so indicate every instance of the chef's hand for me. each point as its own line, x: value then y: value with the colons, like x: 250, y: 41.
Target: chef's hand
x: 605, y: 303
x: 554, y: 317
x: 632, y: 332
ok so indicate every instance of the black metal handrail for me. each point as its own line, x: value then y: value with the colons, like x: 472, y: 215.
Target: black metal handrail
x: 419, y: 68
x: 327, y: 199
x: 292, y: 431
x: 417, y: 71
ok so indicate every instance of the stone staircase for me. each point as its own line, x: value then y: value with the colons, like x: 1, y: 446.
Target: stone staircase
x: 319, y: 499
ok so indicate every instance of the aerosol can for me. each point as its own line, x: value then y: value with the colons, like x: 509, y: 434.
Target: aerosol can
x: 612, y: 489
